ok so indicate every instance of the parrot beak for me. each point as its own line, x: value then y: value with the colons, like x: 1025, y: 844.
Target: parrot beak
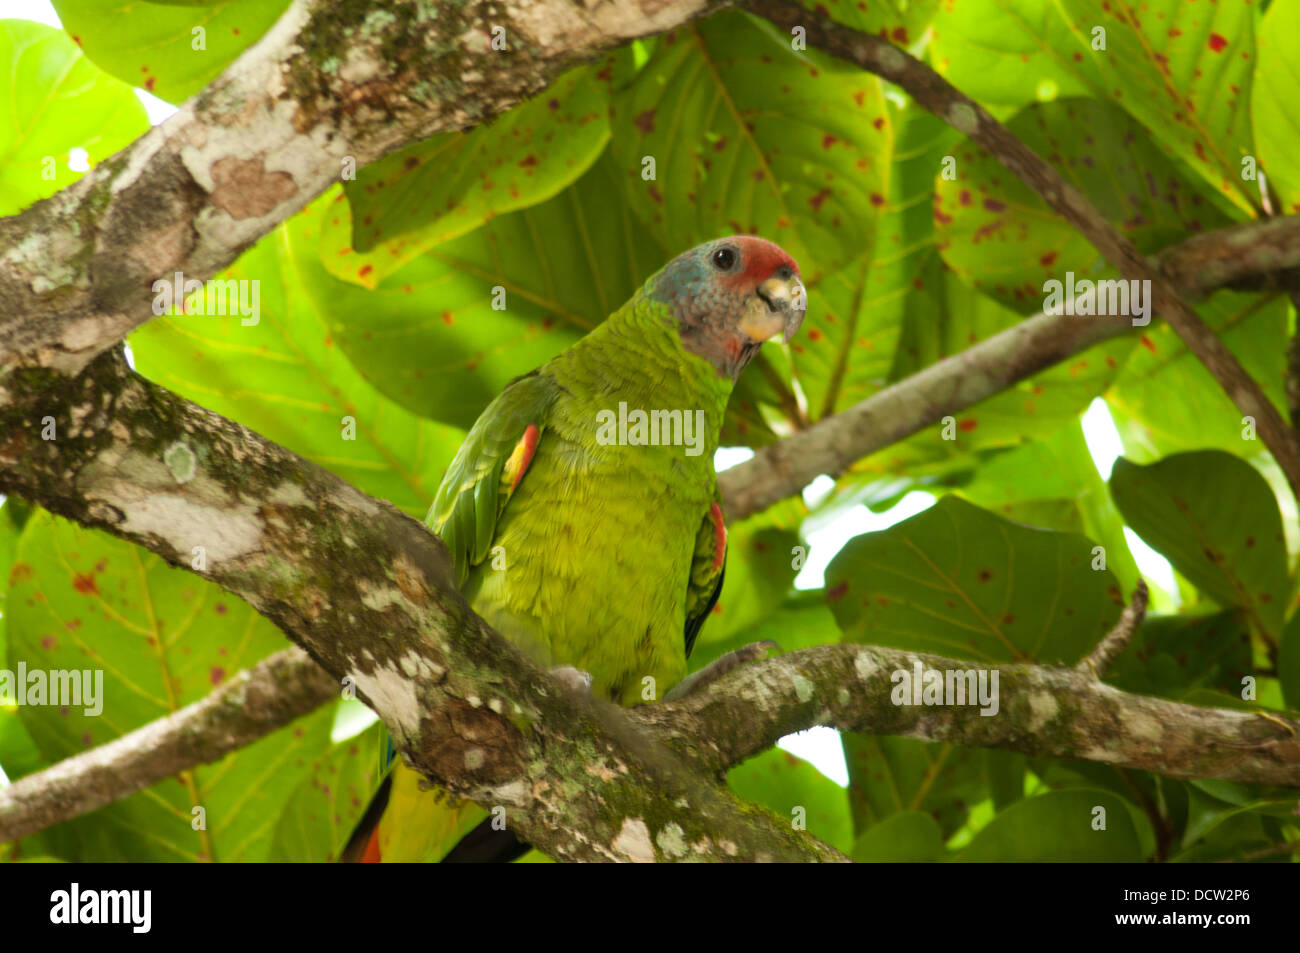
x: 778, y: 308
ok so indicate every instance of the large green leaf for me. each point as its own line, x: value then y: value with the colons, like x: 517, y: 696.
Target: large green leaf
x: 1172, y: 655
x: 1164, y: 400
x: 154, y: 45
x: 902, y: 21
x: 748, y: 135
x: 959, y: 581
x: 1007, y: 53
x: 891, y: 776
x: 428, y: 336
x: 857, y: 313
x: 1288, y: 662
x: 798, y: 792
x: 1056, y: 826
x: 286, y: 378
x: 161, y: 638
x: 1213, y: 516
x: 1273, y: 98
x: 903, y: 838
x: 1052, y: 482
x: 442, y: 187
x: 1000, y: 237
x: 1184, y: 71
x: 54, y: 100
x: 320, y: 815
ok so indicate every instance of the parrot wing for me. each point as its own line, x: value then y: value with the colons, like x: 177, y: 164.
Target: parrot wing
x: 708, y: 567
x: 488, y: 467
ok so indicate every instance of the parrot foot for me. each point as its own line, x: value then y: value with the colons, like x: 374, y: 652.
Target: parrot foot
x: 720, y: 666
x: 573, y: 679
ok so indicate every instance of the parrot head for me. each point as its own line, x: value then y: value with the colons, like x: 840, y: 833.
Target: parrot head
x: 731, y: 295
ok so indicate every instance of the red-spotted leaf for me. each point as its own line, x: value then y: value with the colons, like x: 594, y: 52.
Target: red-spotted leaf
x: 153, y: 639
x: 959, y: 581
x: 901, y: 21
x: 1165, y: 401
x: 856, y: 314
x: 442, y: 187
x: 1213, y: 516
x: 172, y: 50
x: 1001, y: 238
x: 727, y: 129
x: 318, y: 818
x: 1184, y: 71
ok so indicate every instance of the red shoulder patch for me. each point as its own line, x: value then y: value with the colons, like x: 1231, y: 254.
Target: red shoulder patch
x: 523, y: 454
x: 719, y: 536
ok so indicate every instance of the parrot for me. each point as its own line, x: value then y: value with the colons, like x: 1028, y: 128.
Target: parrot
x: 595, y: 548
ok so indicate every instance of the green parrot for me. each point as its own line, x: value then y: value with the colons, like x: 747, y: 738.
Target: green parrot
x: 582, y: 512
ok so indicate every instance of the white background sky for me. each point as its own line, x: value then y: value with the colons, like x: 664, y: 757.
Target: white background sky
x: 819, y: 745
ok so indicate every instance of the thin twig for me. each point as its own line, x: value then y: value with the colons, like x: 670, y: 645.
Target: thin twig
x: 1100, y: 659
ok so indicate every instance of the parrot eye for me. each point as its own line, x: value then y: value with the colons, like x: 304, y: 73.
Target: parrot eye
x: 724, y: 258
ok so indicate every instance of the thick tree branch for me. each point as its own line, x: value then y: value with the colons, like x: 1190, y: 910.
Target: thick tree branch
x: 1044, y: 711
x: 253, y: 703
x: 328, y: 82
x: 933, y: 92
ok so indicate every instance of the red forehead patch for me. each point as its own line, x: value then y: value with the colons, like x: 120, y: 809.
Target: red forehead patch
x: 761, y: 257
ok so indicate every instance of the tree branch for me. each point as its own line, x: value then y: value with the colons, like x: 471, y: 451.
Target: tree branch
x: 328, y: 82
x: 1044, y: 711
x: 255, y: 702
x: 940, y: 97
x: 1267, y: 251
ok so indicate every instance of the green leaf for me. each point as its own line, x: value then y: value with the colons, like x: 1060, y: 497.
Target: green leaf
x: 1288, y: 662
x: 1007, y: 54
x: 889, y: 776
x: 1213, y: 516
x: 160, y: 638
x: 286, y: 378
x: 903, y: 838
x: 1006, y: 774
x: 55, y: 101
x: 152, y: 44
x: 959, y: 581
x: 442, y: 187
x: 1165, y: 401
x: 857, y: 313
x: 1001, y: 238
x: 1273, y: 98
x: 1056, y: 469
x: 428, y: 336
x: 1183, y: 71
x: 1171, y: 655
x: 902, y: 21
x: 750, y: 136
x: 1056, y: 826
x: 796, y: 791
x: 318, y: 818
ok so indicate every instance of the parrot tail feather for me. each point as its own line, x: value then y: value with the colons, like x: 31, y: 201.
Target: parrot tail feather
x: 363, y: 845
